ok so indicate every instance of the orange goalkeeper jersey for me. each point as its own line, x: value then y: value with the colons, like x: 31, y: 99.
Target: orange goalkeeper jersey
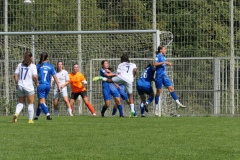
x: 75, y: 81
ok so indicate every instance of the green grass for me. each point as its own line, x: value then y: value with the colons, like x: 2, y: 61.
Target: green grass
x: 83, y: 137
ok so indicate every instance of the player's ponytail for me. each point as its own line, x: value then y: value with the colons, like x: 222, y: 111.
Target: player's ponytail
x: 159, y: 49
x: 27, y: 58
x: 43, y: 58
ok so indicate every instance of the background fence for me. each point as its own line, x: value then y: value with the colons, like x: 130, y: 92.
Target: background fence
x: 207, y: 29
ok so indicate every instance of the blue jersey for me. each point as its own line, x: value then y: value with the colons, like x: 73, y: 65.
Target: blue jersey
x: 160, y: 70
x: 146, y: 76
x: 45, y: 71
x: 102, y: 73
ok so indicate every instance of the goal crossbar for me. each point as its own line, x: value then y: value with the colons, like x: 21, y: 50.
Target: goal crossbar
x: 80, y: 32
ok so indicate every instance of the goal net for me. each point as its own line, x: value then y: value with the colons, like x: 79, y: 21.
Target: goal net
x: 87, y: 48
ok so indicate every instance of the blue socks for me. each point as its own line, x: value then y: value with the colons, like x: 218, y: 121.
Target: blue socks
x: 150, y: 99
x: 174, y: 95
x: 156, y: 99
x: 39, y: 110
x: 120, y: 108
x: 141, y: 108
x: 44, y: 108
x: 135, y: 113
x: 114, y: 111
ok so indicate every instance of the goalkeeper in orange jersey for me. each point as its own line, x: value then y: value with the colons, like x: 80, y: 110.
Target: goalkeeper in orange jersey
x: 77, y: 82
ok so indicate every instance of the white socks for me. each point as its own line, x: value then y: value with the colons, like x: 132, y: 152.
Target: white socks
x: 132, y: 107
x: 19, y: 108
x: 177, y: 101
x: 30, y: 111
x: 70, y: 111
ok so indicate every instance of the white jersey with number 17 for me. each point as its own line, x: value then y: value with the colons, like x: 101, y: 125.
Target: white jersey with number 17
x: 125, y: 71
x: 25, y: 75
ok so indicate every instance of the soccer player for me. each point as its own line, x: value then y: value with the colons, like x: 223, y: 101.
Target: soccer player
x: 63, y: 80
x: 126, y: 72
x: 144, y: 86
x: 77, y: 81
x: 45, y: 71
x: 109, y: 89
x: 161, y: 77
x: 24, y: 76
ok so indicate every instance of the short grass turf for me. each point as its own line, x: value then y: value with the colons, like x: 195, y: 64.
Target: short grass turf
x: 86, y: 137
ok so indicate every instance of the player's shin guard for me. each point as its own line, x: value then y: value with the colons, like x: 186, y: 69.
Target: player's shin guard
x: 174, y: 95
x: 30, y: 111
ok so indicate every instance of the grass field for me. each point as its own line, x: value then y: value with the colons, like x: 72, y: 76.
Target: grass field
x: 83, y: 137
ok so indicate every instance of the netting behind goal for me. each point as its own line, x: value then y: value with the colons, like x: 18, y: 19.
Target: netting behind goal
x: 77, y: 48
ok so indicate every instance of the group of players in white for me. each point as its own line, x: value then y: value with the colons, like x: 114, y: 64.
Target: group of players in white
x: 26, y: 73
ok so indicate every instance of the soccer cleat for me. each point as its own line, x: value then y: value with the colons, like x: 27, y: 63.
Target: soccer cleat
x: 94, y: 115
x: 132, y: 114
x: 122, y: 116
x: 30, y: 121
x: 145, y: 107
x: 49, y: 118
x: 36, y: 118
x: 181, y: 105
x: 15, y: 118
x: 142, y: 115
x: 97, y: 78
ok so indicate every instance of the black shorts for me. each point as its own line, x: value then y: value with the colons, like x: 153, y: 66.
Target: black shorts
x: 75, y: 95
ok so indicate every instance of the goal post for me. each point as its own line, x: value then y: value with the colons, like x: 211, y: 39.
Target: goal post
x: 64, y: 45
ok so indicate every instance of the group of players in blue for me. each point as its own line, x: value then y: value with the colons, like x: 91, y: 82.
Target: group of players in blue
x: 144, y: 85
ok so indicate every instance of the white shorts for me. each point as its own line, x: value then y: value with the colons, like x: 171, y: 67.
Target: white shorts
x: 128, y: 85
x: 23, y: 92
x: 63, y: 93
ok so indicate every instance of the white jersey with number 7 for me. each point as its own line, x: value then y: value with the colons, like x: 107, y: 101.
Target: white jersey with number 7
x: 125, y: 71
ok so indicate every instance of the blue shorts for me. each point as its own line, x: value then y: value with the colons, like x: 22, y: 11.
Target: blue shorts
x: 107, y: 93
x: 115, y: 93
x: 123, y: 93
x: 162, y: 80
x: 144, y: 89
x: 43, y: 90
